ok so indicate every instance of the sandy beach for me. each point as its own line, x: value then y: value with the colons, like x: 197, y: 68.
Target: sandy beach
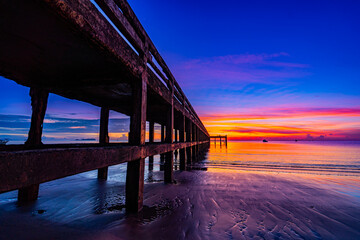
x: 213, y: 204
x: 179, y: 120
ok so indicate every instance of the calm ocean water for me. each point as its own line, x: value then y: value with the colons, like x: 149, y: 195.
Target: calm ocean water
x: 325, y: 157
x: 331, y: 165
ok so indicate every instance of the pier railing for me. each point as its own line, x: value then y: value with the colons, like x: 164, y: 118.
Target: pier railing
x: 123, y: 17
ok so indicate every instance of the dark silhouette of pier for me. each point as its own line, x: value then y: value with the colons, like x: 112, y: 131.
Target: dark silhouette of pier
x: 99, y: 53
x: 221, y: 139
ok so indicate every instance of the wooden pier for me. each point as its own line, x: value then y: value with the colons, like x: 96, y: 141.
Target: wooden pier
x: 222, y: 138
x: 96, y: 52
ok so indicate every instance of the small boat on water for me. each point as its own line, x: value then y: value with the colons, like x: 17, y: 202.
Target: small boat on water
x: 264, y: 140
x: 3, y: 142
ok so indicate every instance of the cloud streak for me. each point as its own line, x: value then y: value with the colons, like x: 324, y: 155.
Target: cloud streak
x: 238, y: 69
x: 287, y: 124
x: 278, y: 113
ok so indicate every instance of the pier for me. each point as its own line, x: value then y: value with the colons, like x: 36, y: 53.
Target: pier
x: 221, y: 138
x: 99, y: 53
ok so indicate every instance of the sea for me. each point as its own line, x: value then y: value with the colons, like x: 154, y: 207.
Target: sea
x: 335, y: 164
x: 332, y: 164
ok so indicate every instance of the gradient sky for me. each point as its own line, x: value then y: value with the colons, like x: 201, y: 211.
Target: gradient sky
x: 252, y: 69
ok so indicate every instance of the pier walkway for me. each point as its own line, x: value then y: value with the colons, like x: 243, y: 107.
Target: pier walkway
x: 96, y: 52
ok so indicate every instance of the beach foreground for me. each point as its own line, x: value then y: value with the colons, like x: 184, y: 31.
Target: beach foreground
x: 214, y: 204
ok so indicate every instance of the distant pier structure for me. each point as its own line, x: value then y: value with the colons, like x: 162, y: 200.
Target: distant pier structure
x: 99, y: 53
x: 220, y: 138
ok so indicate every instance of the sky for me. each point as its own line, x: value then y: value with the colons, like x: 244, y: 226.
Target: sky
x: 280, y: 70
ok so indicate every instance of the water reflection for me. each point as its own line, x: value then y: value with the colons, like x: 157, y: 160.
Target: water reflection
x: 325, y: 157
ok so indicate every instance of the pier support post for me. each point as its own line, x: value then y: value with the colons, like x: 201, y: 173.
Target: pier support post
x: 162, y: 133
x: 169, y: 156
x: 182, y: 139
x: 104, y: 138
x: 197, y: 140
x: 188, y: 139
x: 135, y: 169
x: 151, y: 140
x: 194, y: 153
x: 162, y: 155
x: 39, y: 99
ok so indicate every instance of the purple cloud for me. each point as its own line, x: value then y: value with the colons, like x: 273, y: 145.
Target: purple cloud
x: 237, y: 70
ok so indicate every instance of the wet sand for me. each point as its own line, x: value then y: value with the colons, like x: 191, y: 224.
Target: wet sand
x: 214, y: 204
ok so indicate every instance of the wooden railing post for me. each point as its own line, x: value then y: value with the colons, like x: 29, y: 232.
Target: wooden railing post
x: 104, y: 138
x: 39, y: 99
x: 151, y: 140
x: 135, y: 169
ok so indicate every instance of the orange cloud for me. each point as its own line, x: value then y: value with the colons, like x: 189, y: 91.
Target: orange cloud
x: 288, y: 123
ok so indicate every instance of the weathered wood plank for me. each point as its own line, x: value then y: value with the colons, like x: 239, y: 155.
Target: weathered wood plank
x: 29, y: 167
x: 158, y: 72
x: 88, y: 20
x: 120, y: 21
